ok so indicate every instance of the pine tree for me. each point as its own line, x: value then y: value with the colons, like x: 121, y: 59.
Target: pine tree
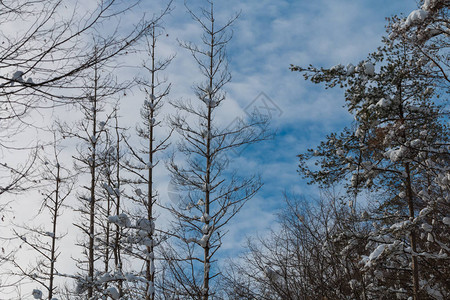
x: 397, y: 151
x: 426, y: 29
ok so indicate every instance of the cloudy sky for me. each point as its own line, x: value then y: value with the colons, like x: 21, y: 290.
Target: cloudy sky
x: 268, y: 36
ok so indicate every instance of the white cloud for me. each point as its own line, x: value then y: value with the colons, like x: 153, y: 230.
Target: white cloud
x: 268, y: 37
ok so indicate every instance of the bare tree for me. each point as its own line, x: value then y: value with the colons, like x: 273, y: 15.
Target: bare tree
x: 42, y: 60
x: 144, y: 158
x: 91, y: 134
x: 306, y: 257
x: 211, y: 194
x: 57, y: 183
x: 42, y: 63
x: 111, y: 239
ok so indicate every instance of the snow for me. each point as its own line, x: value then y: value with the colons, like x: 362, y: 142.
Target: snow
x: 427, y: 227
x: 105, y: 278
x: 191, y: 240
x: 354, y: 180
x: 376, y: 253
x: 37, y: 294
x: 17, y: 76
x: 50, y: 234
x: 151, y: 289
x: 359, y: 132
x: 400, y: 225
x: 353, y: 283
x: 446, y: 221
x: 147, y: 242
x: 416, y: 143
x: 415, y: 16
x: 145, y: 224
x: 204, y: 241
x: 337, y: 67
x: 113, y: 293
x: 270, y: 273
x: 121, y: 220
x: 435, y: 293
x: 365, y: 215
x: 424, y: 212
x: 383, y: 102
x: 395, y: 154
x: 340, y: 152
x: 131, y: 277
x: 142, y: 233
x: 205, y: 218
x: 109, y: 189
x: 369, y: 68
x: 211, y: 103
x: 152, y: 267
x: 427, y: 4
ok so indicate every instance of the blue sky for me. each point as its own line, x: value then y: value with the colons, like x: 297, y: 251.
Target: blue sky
x: 268, y: 37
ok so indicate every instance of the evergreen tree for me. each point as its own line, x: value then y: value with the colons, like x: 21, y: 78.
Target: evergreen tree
x: 398, y: 151
x: 426, y: 29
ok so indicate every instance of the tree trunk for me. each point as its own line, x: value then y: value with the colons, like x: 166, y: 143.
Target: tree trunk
x: 92, y: 192
x: 413, y: 238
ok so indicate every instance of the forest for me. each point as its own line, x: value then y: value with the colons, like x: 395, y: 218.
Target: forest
x: 99, y: 203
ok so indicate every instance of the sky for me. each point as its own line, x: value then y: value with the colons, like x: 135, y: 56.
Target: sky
x: 268, y: 36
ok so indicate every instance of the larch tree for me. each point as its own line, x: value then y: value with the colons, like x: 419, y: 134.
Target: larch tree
x: 142, y: 161
x: 113, y: 234
x: 91, y: 134
x: 41, y: 62
x: 45, y: 52
x: 56, y: 186
x: 210, y: 193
